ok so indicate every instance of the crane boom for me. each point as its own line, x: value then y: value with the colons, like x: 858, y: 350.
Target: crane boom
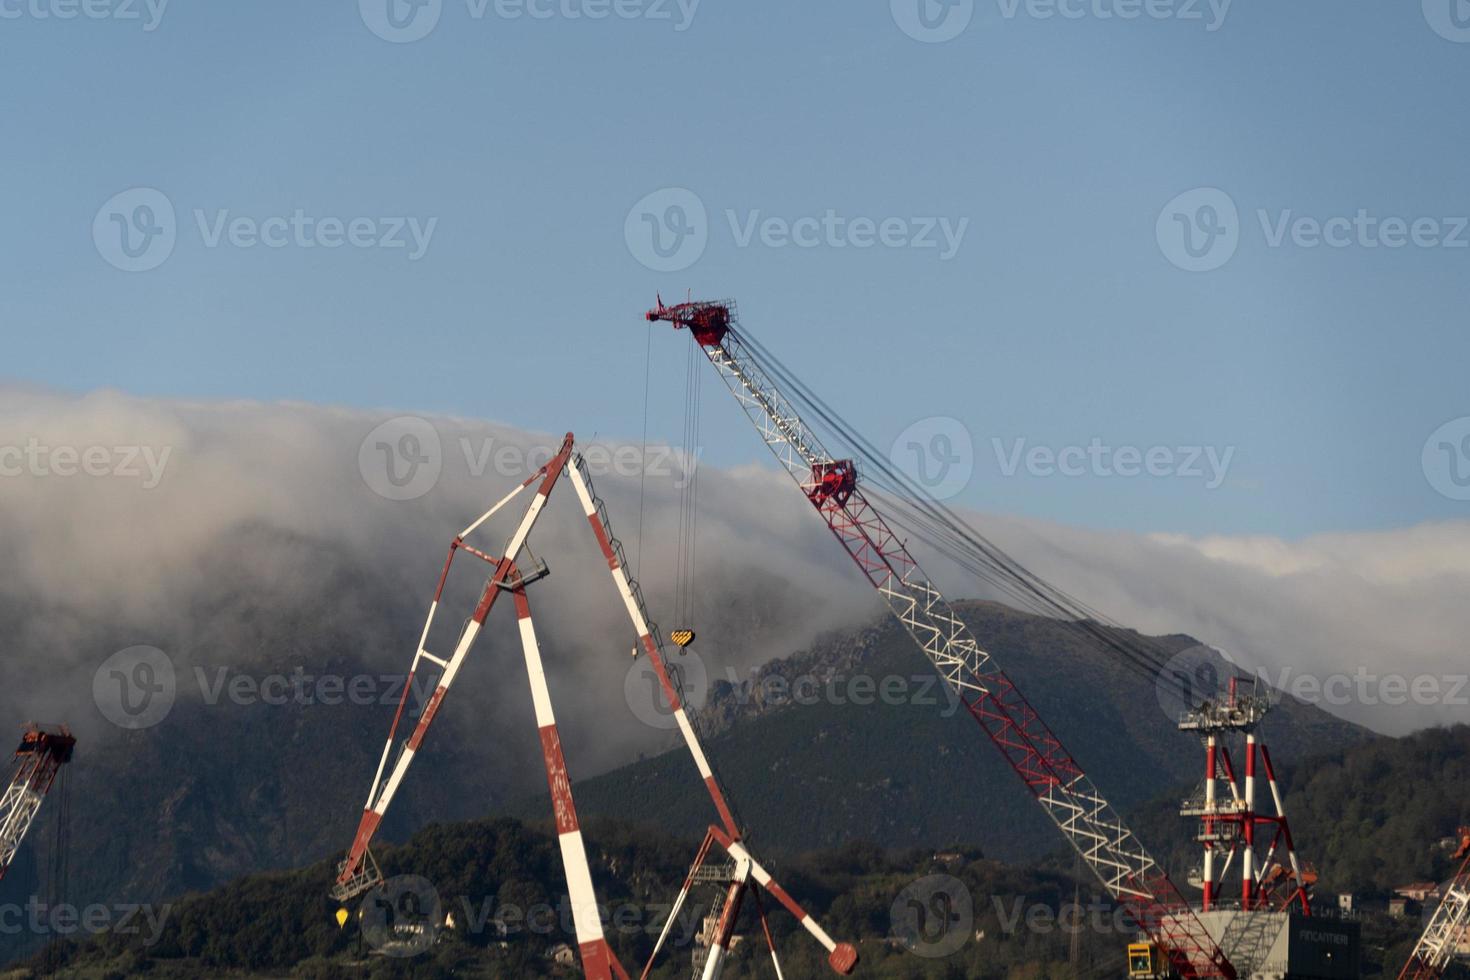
x: 1065, y: 792
x: 39, y: 757
x: 1447, y: 927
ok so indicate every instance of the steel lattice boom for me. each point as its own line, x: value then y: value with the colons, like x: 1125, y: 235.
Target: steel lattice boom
x: 38, y: 759
x: 1066, y: 793
x: 1436, y: 947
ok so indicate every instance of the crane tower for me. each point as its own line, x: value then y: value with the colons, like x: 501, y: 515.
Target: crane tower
x: 1231, y: 823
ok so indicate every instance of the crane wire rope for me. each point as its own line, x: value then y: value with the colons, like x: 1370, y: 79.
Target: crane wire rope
x: 945, y: 532
x: 643, y: 453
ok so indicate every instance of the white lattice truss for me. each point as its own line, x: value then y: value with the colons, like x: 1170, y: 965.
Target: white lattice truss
x: 18, y: 810
x: 1448, y: 924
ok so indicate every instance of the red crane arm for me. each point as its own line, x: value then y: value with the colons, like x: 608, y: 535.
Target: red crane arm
x: 1054, y: 778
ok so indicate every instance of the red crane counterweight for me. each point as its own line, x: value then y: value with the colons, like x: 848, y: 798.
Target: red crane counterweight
x: 707, y: 321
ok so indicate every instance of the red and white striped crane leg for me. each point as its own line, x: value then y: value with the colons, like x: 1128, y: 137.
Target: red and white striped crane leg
x: 598, y: 961
x: 380, y: 796
x: 719, y: 943
x: 673, y: 916
x: 1211, y: 768
x: 633, y: 600
x: 840, y: 956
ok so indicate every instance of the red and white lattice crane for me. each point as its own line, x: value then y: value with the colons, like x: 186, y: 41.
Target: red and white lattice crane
x: 738, y: 873
x: 1230, y: 824
x: 1449, y: 925
x: 39, y: 757
x: 1090, y: 824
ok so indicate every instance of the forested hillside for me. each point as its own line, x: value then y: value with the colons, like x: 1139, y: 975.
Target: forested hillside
x: 815, y: 734
x: 1370, y: 818
x: 1004, y: 919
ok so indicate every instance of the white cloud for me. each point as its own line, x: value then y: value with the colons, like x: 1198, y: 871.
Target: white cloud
x: 1358, y: 611
x: 106, y: 549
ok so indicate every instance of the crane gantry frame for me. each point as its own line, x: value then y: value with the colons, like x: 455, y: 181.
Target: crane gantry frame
x: 743, y: 875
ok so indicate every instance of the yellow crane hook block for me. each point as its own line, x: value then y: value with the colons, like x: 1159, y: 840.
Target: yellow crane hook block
x: 682, y: 638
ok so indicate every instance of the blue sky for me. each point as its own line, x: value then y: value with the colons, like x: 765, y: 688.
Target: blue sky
x: 523, y: 144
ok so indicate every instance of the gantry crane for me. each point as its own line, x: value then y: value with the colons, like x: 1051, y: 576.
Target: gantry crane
x: 1090, y: 824
x: 39, y: 757
x: 1449, y: 925
x: 738, y: 873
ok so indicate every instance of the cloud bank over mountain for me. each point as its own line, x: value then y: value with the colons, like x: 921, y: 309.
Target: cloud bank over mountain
x: 125, y: 519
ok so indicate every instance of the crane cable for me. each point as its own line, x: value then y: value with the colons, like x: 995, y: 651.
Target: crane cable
x: 937, y: 526
x: 688, y: 534
x: 643, y: 453
x: 58, y: 864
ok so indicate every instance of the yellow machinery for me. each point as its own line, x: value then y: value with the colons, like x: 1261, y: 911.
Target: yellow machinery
x: 1144, y: 961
